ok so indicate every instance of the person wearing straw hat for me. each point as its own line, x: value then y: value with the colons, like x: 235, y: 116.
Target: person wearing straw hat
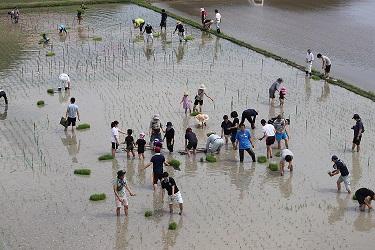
x: 199, y: 98
x: 181, y: 31
x: 202, y: 119
x: 186, y: 102
x: 214, y: 143
x: 155, y: 128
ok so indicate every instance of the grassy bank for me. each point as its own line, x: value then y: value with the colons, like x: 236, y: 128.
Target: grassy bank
x: 145, y: 4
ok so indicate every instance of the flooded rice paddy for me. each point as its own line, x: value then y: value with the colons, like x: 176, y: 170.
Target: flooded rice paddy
x: 227, y: 204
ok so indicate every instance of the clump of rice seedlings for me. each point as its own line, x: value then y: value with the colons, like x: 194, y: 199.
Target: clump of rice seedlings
x: 278, y: 154
x: 157, y: 34
x: 262, y: 159
x: 189, y: 38
x: 83, y: 126
x: 138, y: 38
x: 211, y: 158
x: 82, y: 171
x: 354, y: 197
x: 175, y: 164
x: 105, y: 157
x: 172, y: 226
x: 194, y: 113
x: 97, y: 39
x: 316, y: 78
x: 201, y: 159
x: 148, y: 213
x: 50, y: 53
x: 40, y: 103
x: 97, y: 197
x: 273, y: 166
x: 50, y: 91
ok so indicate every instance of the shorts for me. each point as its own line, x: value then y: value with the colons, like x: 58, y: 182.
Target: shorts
x: 114, y: 145
x: 149, y: 36
x: 157, y: 177
x: 271, y: 93
x: 141, y: 150
x: 163, y: 24
x: 130, y: 147
x: 327, y: 68
x: 122, y: 202
x: 176, y: 198
x: 281, y: 136
x: 72, y: 121
x: 270, y: 140
x: 192, y: 145
x: 198, y: 102
x: 357, y: 140
x: 346, y: 180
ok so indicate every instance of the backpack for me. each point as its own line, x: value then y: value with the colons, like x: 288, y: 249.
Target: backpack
x: 155, y: 124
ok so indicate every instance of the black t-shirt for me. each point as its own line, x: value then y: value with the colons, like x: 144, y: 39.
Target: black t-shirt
x: 234, y: 123
x: 148, y: 29
x: 129, y: 140
x: 169, y: 184
x: 180, y: 28
x: 362, y: 193
x: 141, y: 144
x: 169, y: 133
x: 226, y: 126
x: 164, y: 17
x: 191, y: 137
x: 157, y: 163
x: 357, y: 127
x: 341, y: 167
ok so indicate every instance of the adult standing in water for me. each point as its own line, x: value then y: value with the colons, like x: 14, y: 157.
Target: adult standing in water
x: 268, y: 133
x: 217, y: 20
x: 115, y: 137
x: 358, y: 130
x: 309, y: 62
x: 4, y: 95
x: 326, y: 64
x: 364, y: 197
x: 155, y: 128
x: 72, y: 113
x: 244, y: 142
x: 274, y: 87
x: 199, y: 98
x: 250, y: 115
x: 163, y: 21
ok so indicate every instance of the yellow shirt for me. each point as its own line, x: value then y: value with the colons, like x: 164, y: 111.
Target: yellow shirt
x: 139, y: 21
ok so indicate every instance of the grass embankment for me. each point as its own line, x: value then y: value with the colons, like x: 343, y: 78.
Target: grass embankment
x: 38, y: 3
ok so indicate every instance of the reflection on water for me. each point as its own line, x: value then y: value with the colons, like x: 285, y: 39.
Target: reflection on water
x: 3, y: 115
x: 241, y: 178
x: 122, y: 241
x: 70, y: 142
x: 170, y: 236
x: 325, y: 92
x: 285, y: 186
x: 364, y: 221
x: 205, y: 37
x: 307, y: 88
x: 149, y: 51
x: 217, y: 47
x: 356, y: 169
x: 180, y: 52
x: 337, y: 213
x: 141, y: 172
x: 64, y: 96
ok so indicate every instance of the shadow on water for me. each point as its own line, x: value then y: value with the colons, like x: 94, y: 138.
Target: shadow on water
x: 364, y: 221
x: 121, y: 233
x: 337, y: 213
x: 170, y: 236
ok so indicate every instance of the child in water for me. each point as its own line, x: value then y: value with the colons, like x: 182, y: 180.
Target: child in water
x: 169, y: 135
x: 186, y: 102
x: 119, y: 187
x: 129, y: 140
x: 282, y: 96
x: 141, y: 143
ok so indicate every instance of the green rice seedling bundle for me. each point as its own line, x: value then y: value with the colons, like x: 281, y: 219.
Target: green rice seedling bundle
x: 82, y: 171
x: 105, y: 157
x: 97, y: 197
x: 262, y: 159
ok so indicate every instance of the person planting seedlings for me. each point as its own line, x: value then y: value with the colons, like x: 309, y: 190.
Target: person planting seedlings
x: 226, y: 129
x: 250, y: 115
x: 62, y: 29
x: 286, y: 156
x: 326, y: 64
x: 138, y: 23
x: 4, y: 95
x: 341, y: 168
x: 268, y: 133
x: 119, y: 187
x: 244, y: 143
x: 157, y: 161
x: 149, y: 30
x: 72, y: 113
x: 181, y: 31
x: 141, y: 143
x: 191, y: 141
x: 174, y: 195
x: 364, y: 197
x: 358, y: 129
x: 169, y: 135
x: 163, y: 21
x: 214, y: 143
x: 199, y: 98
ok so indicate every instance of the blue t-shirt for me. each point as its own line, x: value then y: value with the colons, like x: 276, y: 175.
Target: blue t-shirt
x: 157, y: 163
x: 243, y: 138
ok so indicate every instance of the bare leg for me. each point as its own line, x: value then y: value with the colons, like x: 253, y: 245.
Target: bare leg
x: 338, y: 186
x: 181, y: 208
x: 126, y: 208
x: 171, y: 208
x: 286, y: 143
x: 113, y: 153
x: 353, y: 147
x: 118, y: 211
x: 358, y: 148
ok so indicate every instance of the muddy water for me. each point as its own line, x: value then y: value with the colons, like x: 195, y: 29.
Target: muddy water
x: 342, y: 29
x: 227, y: 204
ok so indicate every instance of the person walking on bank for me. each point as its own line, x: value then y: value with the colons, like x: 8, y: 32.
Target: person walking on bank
x: 358, y: 131
x: 326, y: 64
x: 309, y: 62
x: 163, y: 21
x: 217, y: 20
x: 244, y: 142
x: 268, y: 133
x: 250, y: 115
x: 364, y: 197
x: 174, y: 195
x: 72, y: 113
x: 274, y: 87
x: 138, y: 23
x: 341, y: 168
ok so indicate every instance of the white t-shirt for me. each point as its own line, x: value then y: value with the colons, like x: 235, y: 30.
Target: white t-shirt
x: 326, y: 60
x: 218, y: 17
x: 286, y: 152
x: 269, y: 129
x: 114, y: 134
x: 309, y: 57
